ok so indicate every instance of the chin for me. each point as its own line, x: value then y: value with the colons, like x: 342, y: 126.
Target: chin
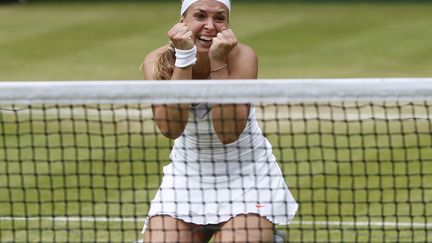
x: 202, y: 48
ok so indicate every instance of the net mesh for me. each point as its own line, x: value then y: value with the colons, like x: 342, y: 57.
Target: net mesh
x: 78, y: 170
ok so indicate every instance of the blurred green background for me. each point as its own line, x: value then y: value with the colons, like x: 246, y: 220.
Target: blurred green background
x: 107, y: 40
x: 94, y: 167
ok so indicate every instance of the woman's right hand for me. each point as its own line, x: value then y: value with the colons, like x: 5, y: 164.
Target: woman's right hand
x: 181, y: 36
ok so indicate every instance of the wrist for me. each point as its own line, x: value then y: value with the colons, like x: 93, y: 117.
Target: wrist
x: 218, y: 68
x: 185, y: 58
x: 217, y: 63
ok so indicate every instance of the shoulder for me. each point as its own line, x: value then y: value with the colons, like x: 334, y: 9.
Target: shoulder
x: 243, y: 51
x: 243, y: 62
x: 147, y: 67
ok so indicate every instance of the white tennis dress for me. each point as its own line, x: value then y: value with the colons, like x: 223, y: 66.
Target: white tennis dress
x: 208, y: 182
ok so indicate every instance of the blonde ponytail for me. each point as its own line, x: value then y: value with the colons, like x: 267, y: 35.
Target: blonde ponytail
x: 165, y: 65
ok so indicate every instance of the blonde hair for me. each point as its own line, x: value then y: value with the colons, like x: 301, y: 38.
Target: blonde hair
x: 165, y: 65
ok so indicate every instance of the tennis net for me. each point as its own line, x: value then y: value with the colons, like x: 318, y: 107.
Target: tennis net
x: 82, y: 161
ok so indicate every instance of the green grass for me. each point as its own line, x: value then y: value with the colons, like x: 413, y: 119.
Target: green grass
x: 109, y: 41
x: 339, y: 171
x: 95, y: 163
x: 343, y: 169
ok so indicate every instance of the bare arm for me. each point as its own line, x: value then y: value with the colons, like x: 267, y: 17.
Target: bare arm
x: 229, y: 120
x: 171, y: 119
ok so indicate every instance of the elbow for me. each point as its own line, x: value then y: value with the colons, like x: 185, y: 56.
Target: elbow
x: 171, y: 136
x: 227, y: 139
x: 170, y: 133
x: 169, y: 130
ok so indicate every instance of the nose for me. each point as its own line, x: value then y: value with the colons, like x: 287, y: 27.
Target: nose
x: 209, y: 25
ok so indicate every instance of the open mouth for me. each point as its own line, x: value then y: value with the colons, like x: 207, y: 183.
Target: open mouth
x: 206, y: 40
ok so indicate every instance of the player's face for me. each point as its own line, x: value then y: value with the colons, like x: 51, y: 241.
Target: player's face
x: 206, y: 18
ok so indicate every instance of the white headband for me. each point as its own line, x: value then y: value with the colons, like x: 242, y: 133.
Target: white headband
x: 186, y: 4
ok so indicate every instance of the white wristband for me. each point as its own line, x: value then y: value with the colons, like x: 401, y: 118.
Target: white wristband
x: 185, y: 58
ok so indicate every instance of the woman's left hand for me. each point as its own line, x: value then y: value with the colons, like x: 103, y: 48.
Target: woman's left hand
x: 222, y: 45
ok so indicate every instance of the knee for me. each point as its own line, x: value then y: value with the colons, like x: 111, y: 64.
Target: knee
x: 246, y: 228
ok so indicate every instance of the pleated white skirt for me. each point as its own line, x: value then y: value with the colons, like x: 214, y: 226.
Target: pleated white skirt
x: 188, y: 198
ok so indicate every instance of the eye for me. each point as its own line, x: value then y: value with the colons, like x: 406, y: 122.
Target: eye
x: 220, y: 19
x: 199, y: 16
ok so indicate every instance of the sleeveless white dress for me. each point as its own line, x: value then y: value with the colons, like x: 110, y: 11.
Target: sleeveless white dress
x: 208, y: 182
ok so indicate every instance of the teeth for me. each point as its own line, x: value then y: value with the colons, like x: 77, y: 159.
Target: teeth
x: 206, y: 38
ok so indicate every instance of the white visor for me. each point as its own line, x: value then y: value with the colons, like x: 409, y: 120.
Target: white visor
x: 186, y: 4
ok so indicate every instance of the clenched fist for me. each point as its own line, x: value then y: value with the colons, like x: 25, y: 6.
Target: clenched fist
x: 181, y: 36
x: 222, y: 45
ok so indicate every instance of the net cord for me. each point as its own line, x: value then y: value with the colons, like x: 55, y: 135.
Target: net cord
x: 221, y: 91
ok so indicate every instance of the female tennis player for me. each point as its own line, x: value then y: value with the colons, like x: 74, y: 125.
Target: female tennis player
x: 223, y: 180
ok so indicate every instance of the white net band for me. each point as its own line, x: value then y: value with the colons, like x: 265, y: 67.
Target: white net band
x: 223, y: 91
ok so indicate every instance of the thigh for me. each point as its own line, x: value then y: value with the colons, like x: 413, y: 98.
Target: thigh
x: 163, y: 228
x: 245, y: 228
